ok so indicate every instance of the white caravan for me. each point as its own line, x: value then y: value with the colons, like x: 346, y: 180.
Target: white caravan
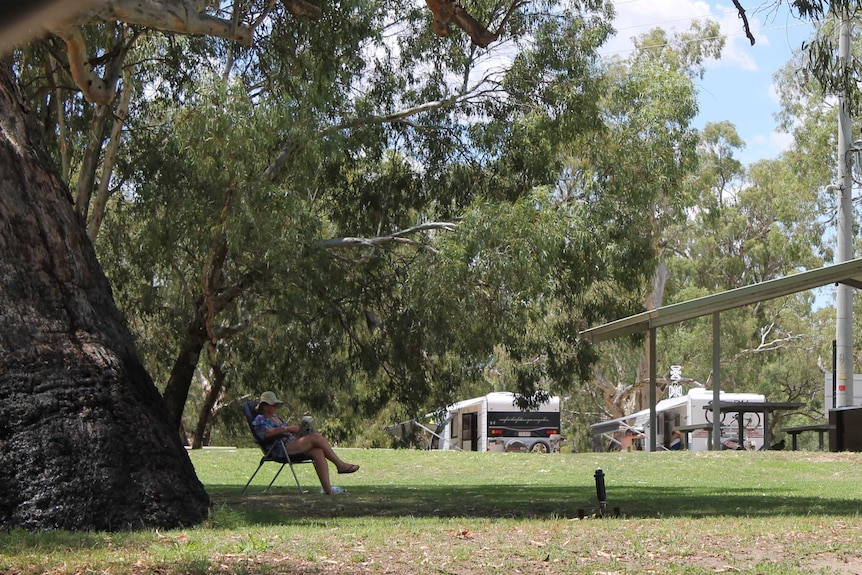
x: 686, y: 411
x: 494, y: 422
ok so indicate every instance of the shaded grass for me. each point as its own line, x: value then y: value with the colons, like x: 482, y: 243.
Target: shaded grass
x: 497, y: 485
x: 472, y: 513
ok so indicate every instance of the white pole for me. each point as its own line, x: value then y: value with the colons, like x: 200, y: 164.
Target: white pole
x: 844, y: 293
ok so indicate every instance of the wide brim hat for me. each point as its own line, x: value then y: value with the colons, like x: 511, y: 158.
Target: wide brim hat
x: 268, y: 398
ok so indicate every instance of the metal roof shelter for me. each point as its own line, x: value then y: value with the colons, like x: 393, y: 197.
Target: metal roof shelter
x: 848, y: 273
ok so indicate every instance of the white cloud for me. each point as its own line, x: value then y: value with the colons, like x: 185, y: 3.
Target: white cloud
x: 636, y: 17
x: 781, y: 141
x: 767, y: 145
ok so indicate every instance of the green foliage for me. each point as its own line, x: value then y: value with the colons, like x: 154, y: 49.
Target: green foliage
x: 486, y: 156
x: 753, y: 225
x: 747, y: 225
x: 632, y: 181
x: 686, y: 51
x: 560, y: 170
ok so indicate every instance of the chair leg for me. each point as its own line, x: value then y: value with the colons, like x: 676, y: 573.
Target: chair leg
x: 295, y: 478
x: 259, y: 465
x: 277, y: 473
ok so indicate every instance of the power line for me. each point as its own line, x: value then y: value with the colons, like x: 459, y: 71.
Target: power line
x: 690, y: 19
x: 704, y: 39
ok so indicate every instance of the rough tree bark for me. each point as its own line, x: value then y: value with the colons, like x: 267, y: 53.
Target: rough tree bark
x: 85, y: 439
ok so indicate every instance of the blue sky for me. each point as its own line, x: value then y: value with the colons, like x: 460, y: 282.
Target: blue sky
x: 738, y: 87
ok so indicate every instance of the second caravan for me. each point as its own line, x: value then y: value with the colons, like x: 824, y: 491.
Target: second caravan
x: 633, y: 431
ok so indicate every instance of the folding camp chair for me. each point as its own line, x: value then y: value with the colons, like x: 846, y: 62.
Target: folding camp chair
x: 271, y: 451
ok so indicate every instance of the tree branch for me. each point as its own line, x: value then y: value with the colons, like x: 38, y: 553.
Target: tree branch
x: 225, y: 331
x: 95, y: 89
x: 744, y: 19
x: 184, y: 17
x: 448, y: 12
x: 98, y: 212
x: 400, y: 115
x: 396, y: 237
x: 770, y: 345
x: 291, y: 148
x: 179, y: 16
x: 512, y: 8
x: 302, y: 9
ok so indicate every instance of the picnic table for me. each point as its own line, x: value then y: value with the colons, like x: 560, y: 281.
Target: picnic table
x: 685, y: 431
x: 795, y: 430
x: 764, y: 407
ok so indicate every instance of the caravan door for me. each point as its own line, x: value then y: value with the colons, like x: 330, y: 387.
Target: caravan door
x: 470, y: 431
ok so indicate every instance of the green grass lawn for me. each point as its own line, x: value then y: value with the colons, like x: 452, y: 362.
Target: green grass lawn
x: 475, y: 513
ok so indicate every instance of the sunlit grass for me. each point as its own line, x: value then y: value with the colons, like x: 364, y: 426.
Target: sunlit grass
x: 448, y: 512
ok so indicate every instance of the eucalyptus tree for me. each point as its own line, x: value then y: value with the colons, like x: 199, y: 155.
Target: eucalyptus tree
x: 720, y: 173
x: 815, y: 70
x: 107, y: 458
x: 808, y: 112
x: 764, y: 227
x: 772, y: 219
x: 823, y: 62
x: 393, y: 134
x: 646, y: 157
x: 85, y: 442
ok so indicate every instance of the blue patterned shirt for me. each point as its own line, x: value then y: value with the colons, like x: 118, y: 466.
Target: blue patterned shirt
x: 261, y: 423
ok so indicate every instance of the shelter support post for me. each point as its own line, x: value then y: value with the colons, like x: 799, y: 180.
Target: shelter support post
x: 716, y: 381
x: 653, y: 419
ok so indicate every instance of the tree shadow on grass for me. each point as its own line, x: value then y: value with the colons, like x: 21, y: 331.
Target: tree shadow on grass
x: 284, y: 505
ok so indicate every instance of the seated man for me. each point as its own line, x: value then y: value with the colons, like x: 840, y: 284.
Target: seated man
x: 269, y: 425
x: 675, y: 441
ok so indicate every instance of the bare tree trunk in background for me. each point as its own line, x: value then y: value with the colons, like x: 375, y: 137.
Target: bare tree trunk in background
x: 85, y: 440
x: 212, y: 395
x: 177, y: 389
x: 640, y: 397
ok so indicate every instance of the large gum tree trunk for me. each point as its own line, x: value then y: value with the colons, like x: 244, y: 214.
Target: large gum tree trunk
x: 85, y: 439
